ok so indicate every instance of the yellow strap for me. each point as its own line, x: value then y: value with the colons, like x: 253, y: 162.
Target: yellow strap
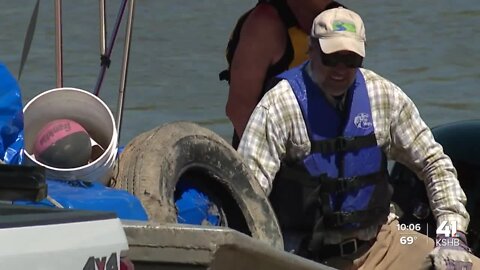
x: 300, y: 46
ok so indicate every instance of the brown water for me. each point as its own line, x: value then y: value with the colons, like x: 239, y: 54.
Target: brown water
x: 430, y: 50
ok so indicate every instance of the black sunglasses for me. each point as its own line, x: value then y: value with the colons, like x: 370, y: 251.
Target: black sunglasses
x: 350, y: 60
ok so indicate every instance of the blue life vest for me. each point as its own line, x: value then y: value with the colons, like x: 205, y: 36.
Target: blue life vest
x: 345, y: 164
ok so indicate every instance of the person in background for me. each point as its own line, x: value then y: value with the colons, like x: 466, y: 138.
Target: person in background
x: 324, y: 133
x: 267, y: 40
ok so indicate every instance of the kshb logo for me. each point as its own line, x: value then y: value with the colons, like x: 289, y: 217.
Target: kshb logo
x: 447, y: 228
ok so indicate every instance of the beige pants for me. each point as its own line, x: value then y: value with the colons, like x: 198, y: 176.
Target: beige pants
x: 388, y: 253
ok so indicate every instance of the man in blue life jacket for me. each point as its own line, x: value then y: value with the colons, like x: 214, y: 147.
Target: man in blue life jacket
x: 267, y: 40
x: 324, y: 133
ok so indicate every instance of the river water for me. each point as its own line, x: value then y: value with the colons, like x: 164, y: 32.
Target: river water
x: 430, y: 49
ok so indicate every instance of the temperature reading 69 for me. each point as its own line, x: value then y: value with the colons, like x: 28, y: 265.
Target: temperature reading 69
x: 407, y: 240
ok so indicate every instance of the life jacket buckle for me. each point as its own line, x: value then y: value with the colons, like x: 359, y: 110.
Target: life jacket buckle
x: 341, y: 218
x: 342, y: 142
x: 344, y: 183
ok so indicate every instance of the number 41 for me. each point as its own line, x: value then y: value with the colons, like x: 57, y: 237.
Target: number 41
x: 446, y: 230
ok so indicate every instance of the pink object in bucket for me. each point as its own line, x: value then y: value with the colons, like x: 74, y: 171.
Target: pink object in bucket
x: 63, y: 143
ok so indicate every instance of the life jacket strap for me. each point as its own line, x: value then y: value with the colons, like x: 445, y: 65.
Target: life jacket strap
x: 343, y: 144
x: 330, y: 184
x: 343, y: 184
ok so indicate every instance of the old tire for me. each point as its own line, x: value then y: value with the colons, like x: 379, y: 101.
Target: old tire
x: 153, y: 162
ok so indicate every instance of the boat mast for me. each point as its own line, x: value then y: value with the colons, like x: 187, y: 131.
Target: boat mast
x: 28, y: 39
x: 103, y: 26
x: 126, y: 54
x: 58, y: 43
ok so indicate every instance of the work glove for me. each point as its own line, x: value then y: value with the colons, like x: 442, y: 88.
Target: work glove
x: 451, y: 253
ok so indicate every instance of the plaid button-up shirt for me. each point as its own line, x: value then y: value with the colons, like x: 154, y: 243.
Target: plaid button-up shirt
x: 276, y: 131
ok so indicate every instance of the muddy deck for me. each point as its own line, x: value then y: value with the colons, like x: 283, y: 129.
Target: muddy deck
x: 184, y: 247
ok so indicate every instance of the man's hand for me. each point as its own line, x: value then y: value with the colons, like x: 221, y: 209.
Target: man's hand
x: 451, y: 253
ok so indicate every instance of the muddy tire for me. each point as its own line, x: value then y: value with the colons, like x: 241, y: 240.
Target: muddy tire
x: 152, y: 164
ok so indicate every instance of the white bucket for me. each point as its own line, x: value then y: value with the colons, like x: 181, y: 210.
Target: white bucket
x: 86, y: 109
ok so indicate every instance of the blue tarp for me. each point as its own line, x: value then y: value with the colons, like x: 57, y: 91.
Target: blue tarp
x: 92, y: 196
x: 195, y: 207
x: 11, y: 118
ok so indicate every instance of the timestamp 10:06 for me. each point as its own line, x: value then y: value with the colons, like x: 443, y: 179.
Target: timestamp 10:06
x: 409, y: 227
